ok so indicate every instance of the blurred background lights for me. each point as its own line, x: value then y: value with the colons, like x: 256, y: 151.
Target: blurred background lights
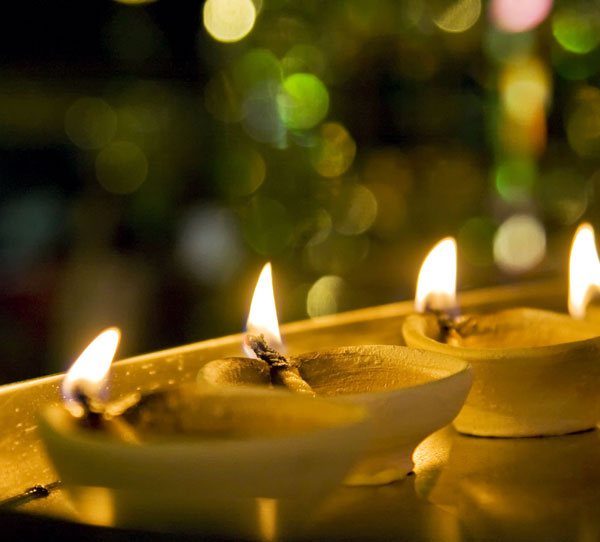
x: 519, y: 244
x: 261, y: 118
x: 90, y: 123
x: 255, y: 66
x: 304, y: 58
x: 525, y: 87
x: 268, y: 227
x: 303, y: 101
x: 475, y: 240
x: 519, y: 15
x: 515, y: 179
x: 28, y: 227
x: 121, y: 168
x: 583, y: 122
x: 209, y: 244
x: 355, y: 210
x: 504, y: 46
x: 563, y: 194
x: 576, y: 29
x: 324, y: 296
x: 240, y: 170
x: 228, y: 20
x: 455, y: 15
x: 334, y: 151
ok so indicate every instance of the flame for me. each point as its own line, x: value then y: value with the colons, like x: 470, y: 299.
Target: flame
x: 263, y: 313
x: 584, y: 270
x: 89, y: 373
x: 436, y: 286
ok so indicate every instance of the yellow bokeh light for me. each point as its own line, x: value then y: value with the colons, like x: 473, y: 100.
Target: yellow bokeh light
x: 355, y: 210
x: 90, y: 123
x: 519, y: 244
x: 229, y: 20
x: 525, y: 89
x: 334, y: 151
x: 455, y: 15
x: 122, y: 167
x: 324, y: 296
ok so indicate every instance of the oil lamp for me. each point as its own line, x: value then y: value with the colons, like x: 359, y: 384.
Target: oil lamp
x: 408, y: 393
x: 189, y: 458
x: 536, y: 372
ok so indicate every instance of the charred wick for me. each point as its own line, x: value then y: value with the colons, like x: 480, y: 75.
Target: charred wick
x: 263, y: 351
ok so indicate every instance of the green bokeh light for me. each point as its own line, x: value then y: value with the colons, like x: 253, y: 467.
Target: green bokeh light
x: 255, y: 66
x: 515, y: 178
x: 576, y: 31
x: 268, y: 227
x: 303, y: 101
x: 564, y: 195
x: 476, y: 238
x: 575, y: 67
x: 240, y: 170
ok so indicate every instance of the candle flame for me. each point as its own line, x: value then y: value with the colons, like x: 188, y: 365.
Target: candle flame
x: 89, y: 374
x: 263, y: 313
x: 436, y: 286
x: 584, y: 270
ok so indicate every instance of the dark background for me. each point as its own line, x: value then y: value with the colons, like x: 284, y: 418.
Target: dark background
x: 147, y: 170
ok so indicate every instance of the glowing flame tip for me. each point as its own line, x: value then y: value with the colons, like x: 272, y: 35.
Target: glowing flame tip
x: 584, y: 270
x: 262, y: 317
x: 436, y: 285
x: 88, y: 374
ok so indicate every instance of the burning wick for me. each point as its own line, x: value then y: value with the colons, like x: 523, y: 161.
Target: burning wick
x: 262, y: 322
x: 282, y: 370
x: 85, y: 386
x: 436, y: 289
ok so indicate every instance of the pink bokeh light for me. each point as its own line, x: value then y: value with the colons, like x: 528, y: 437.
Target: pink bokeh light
x: 519, y: 15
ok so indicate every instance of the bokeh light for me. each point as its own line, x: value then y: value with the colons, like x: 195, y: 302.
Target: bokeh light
x: 519, y: 244
x: 476, y: 240
x: 515, y: 179
x: 525, y: 88
x: 122, y: 167
x: 29, y: 225
x: 519, y: 15
x: 228, y: 20
x: 209, y: 244
x: 240, y: 170
x: 255, y: 66
x: 268, y: 227
x: 324, y: 296
x: 303, y: 101
x: 583, y: 122
x: 455, y: 15
x: 90, y: 123
x: 575, y: 67
x: 334, y: 151
x: 304, y: 58
x: 355, y: 210
x: 337, y: 254
x: 261, y: 116
x: 504, y: 46
x: 576, y: 29
x: 564, y: 195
